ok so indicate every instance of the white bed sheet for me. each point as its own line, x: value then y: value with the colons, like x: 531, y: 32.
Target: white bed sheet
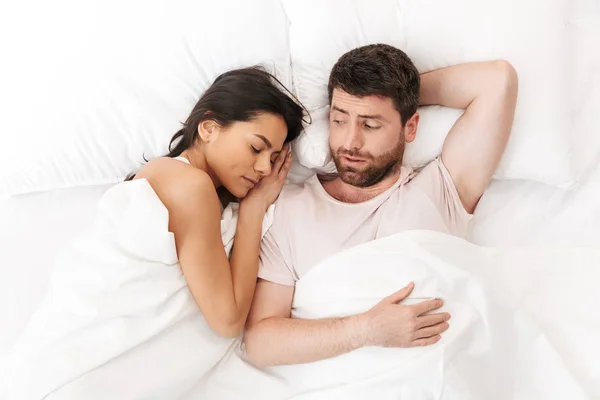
x: 512, y: 213
x: 33, y: 230
x: 519, y: 213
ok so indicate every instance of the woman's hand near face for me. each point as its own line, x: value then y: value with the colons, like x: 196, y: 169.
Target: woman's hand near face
x: 267, y: 190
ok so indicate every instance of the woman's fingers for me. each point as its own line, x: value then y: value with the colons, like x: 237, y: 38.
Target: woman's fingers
x: 287, y: 164
x: 280, y: 160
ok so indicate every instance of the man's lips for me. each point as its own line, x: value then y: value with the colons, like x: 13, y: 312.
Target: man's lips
x: 353, y: 159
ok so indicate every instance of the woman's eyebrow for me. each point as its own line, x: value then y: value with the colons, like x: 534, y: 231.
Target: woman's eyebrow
x: 264, y: 139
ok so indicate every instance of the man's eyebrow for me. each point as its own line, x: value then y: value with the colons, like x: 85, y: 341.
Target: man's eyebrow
x: 376, y: 116
x: 264, y: 139
x: 336, y: 108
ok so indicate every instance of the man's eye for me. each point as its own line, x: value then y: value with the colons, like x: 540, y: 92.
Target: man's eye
x: 337, y: 121
x: 371, y: 127
x: 254, y: 149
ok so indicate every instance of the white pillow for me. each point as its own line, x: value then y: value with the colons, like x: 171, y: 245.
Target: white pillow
x: 437, y: 34
x: 585, y: 94
x: 90, y: 87
x: 320, y: 33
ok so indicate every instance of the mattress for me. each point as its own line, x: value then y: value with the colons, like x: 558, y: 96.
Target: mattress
x: 36, y: 226
x: 524, y: 213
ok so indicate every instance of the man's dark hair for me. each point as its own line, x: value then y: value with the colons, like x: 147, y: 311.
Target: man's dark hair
x: 381, y: 70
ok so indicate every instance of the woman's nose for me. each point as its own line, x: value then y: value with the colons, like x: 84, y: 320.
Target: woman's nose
x: 263, y: 166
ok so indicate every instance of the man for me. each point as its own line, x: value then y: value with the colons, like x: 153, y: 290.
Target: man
x: 374, y: 92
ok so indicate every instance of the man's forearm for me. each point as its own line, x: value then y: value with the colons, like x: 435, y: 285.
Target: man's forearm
x: 279, y: 341
x: 458, y: 85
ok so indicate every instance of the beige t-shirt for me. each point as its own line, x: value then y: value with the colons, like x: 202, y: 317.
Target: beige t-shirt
x: 310, y: 225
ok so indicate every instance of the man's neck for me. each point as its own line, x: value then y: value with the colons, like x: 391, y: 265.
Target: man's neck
x: 346, y: 193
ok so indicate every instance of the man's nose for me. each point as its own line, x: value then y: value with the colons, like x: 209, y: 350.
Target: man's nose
x: 353, y: 137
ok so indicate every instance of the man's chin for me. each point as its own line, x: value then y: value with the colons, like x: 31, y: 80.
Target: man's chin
x: 352, y: 178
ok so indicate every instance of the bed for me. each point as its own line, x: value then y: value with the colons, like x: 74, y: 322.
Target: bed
x: 545, y: 195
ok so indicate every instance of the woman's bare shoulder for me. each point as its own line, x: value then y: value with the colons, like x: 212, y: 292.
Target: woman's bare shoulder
x: 180, y: 185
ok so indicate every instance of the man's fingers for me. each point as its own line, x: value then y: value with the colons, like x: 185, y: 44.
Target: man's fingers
x: 400, y: 294
x: 427, y: 306
x: 426, y: 341
x: 431, y: 330
x: 432, y: 319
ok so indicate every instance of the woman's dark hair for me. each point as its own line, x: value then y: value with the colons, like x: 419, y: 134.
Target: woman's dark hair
x: 236, y: 96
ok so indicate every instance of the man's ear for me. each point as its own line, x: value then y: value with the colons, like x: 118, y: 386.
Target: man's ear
x: 208, y: 130
x: 410, y: 129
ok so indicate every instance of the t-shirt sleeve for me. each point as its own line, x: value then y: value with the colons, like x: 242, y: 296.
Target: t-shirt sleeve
x: 271, y: 264
x: 435, y: 181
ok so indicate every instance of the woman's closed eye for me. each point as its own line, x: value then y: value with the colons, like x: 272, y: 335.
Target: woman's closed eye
x: 258, y: 151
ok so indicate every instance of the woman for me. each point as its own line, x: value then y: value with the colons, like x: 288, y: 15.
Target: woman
x: 118, y: 307
x: 233, y: 139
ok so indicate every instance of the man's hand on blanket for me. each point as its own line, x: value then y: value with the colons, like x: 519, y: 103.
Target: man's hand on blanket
x: 389, y: 324
x: 274, y: 337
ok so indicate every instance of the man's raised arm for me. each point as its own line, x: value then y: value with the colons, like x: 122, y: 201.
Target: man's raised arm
x: 474, y: 146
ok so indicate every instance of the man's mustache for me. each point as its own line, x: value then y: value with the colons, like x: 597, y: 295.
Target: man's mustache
x: 354, y: 154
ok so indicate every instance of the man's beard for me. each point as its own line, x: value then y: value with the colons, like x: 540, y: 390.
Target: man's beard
x: 376, y: 168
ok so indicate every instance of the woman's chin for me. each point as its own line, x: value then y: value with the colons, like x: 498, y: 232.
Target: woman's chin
x: 238, y: 192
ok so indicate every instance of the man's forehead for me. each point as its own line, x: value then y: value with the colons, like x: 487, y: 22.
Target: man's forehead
x: 366, y: 105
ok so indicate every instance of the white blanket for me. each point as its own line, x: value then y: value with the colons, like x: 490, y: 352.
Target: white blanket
x: 119, y: 321
x: 494, y: 348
